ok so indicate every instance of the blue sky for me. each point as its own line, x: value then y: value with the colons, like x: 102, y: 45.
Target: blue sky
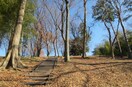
x: 2, y: 51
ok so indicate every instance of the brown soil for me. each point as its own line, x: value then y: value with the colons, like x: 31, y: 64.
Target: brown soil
x: 92, y: 72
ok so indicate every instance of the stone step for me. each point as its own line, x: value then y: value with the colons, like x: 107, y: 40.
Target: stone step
x: 42, y: 78
x: 38, y: 74
x: 44, y: 68
x: 46, y: 65
x: 38, y: 83
x: 42, y: 74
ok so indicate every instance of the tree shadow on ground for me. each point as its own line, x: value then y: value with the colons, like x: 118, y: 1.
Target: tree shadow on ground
x: 107, y: 65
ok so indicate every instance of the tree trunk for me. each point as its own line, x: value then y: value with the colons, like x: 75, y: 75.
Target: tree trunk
x: 110, y: 41
x: 20, y: 45
x: 57, y: 50
x: 67, y: 58
x: 12, y: 60
x: 38, y: 52
x: 62, y: 29
x: 39, y: 45
x: 48, y: 53
x: 48, y: 49
x: 54, y: 48
x: 117, y: 39
x: 84, y: 31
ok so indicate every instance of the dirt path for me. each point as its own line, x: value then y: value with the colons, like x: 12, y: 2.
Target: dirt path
x: 41, y: 75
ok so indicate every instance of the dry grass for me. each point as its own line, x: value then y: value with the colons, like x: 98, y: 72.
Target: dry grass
x: 92, y: 72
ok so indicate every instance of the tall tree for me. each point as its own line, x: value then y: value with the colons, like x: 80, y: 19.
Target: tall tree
x: 55, y: 20
x: 102, y: 11
x: 12, y: 58
x: 67, y: 58
x: 8, y: 16
x: 117, y: 6
x: 110, y: 40
x: 85, y: 25
x: 38, y: 44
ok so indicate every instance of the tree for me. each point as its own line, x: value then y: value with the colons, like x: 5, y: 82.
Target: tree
x: 117, y: 7
x: 110, y: 40
x: 55, y: 20
x: 39, y: 38
x: 12, y: 59
x: 102, y: 11
x: 76, y: 44
x: 8, y: 9
x: 67, y: 58
x: 8, y: 12
x: 128, y: 9
x: 61, y: 6
x: 123, y: 43
x: 76, y: 47
x: 116, y: 37
x: 28, y: 35
x: 104, y: 49
x: 84, y: 31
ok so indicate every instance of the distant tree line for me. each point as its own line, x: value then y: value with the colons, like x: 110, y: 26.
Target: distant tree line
x: 104, y: 48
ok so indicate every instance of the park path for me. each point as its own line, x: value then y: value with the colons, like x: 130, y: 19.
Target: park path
x: 41, y: 75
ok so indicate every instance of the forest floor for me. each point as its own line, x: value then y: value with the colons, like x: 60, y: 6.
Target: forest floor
x: 90, y: 72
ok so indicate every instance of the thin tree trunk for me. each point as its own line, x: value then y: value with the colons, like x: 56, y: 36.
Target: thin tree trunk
x: 57, y: 41
x: 62, y: 30
x: 39, y: 45
x: 38, y: 51
x: 62, y: 26
x: 110, y: 41
x: 12, y: 60
x: 84, y: 31
x: 48, y: 50
x: 48, y: 53
x: 10, y: 41
x: 57, y: 48
x: 117, y: 39
x: 54, y: 48
x: 67, y: 58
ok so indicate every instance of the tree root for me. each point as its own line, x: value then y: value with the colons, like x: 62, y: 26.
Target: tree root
x: 21, y: 65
